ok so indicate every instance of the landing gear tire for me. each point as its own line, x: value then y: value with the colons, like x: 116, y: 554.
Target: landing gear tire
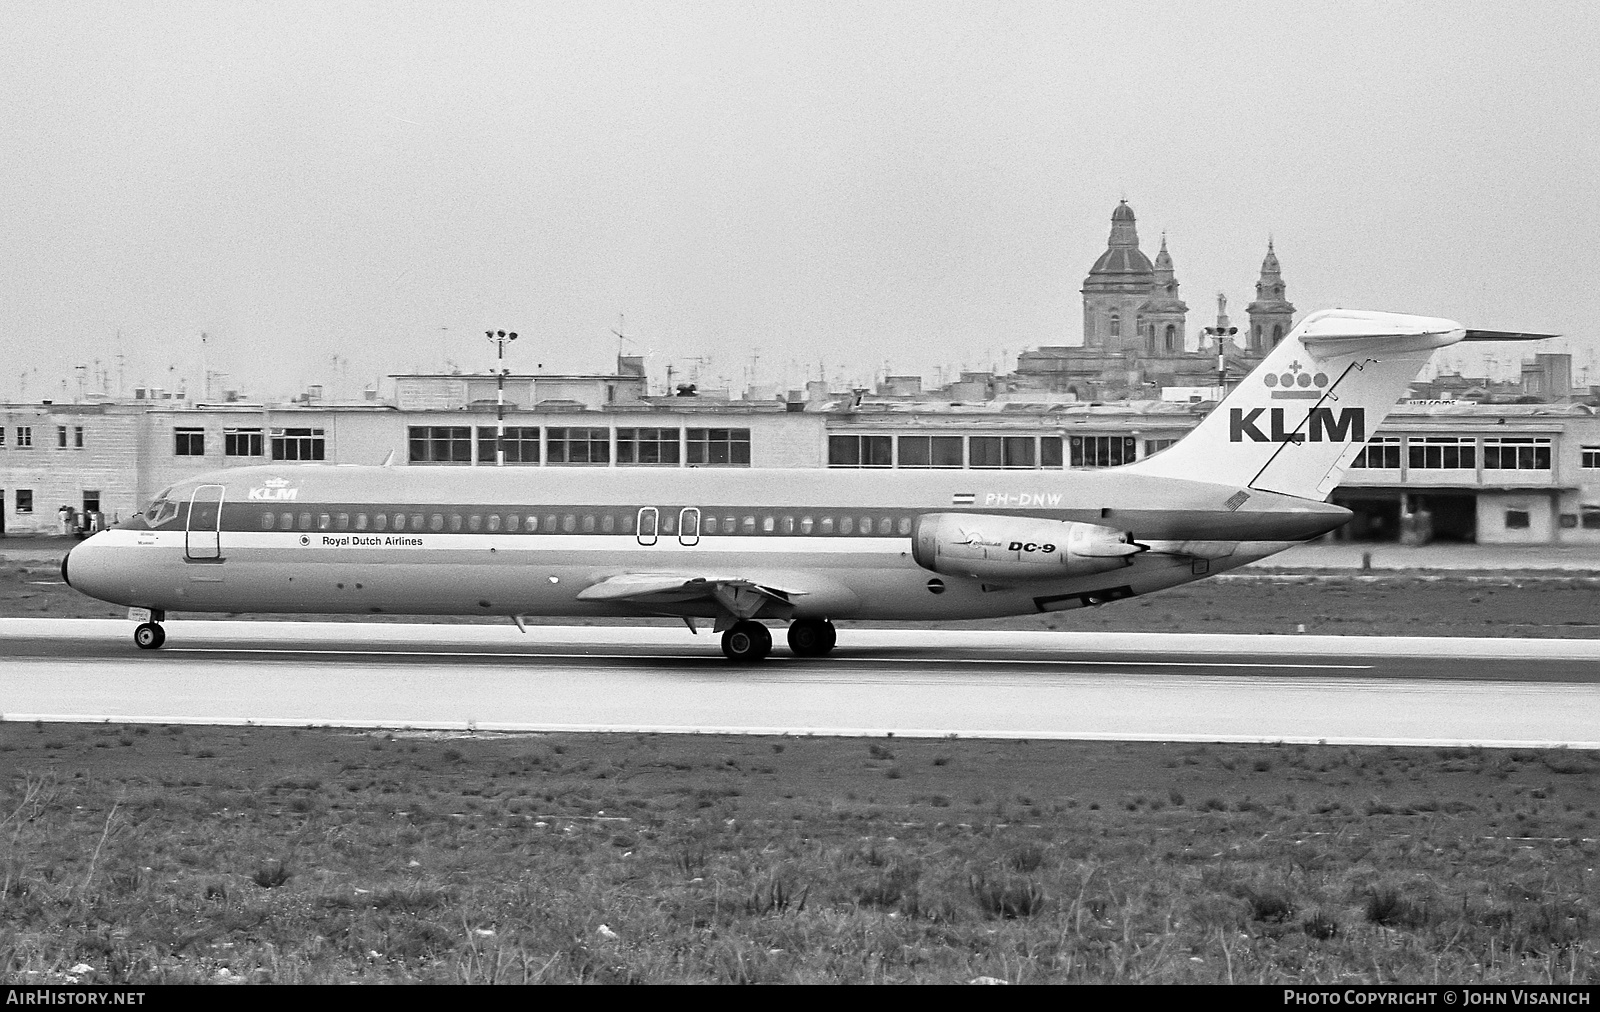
x: 812, y: 637
x: 746, y: 642
x: 149, y: 636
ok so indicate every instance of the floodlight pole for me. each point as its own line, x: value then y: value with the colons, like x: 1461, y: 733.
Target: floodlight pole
x: 500, y: 337
x: 1222, y: 334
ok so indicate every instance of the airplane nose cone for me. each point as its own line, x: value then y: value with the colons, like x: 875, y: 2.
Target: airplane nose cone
x: 64, y: 577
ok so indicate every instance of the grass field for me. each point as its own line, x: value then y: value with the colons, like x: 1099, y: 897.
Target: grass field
x: 178, y: 854
x: 173, y: 854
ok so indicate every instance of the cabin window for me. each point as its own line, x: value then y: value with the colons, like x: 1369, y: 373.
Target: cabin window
x: 905, y: 525
x: 325, y: 522
x: 380, y: 521
x: 305, y: 521
x: 708, y: 525
x: 885, y: 525
x: 866, y: 525
x: 627, y: 522
x: 436, y: 522
x: 847, y: 525
x: 569, y: 523
x: 767, y: 525
x: 361, y: 521
x: 267, y: 521
x: 825, y: 526
x: 416, y: 521
x: 669, y: 523
x: 805, y: 525
x: 399, y: 521
x: 788, y: 525
x: 749, y: 526
x: 475, y: 523
x: 494, y: 522
x: 529, y: 526
x: 588, y: 523
x: 550, y: 523
x: 342, y: 522
x: 608, y: 523
x: 455, y: 521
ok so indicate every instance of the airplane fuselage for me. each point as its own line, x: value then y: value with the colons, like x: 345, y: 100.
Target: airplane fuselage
x: 532, y: 541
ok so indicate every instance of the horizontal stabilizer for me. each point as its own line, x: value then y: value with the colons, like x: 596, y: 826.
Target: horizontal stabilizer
x: 1505, y: 335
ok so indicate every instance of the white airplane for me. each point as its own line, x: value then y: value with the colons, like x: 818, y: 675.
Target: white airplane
x: 802, y: 546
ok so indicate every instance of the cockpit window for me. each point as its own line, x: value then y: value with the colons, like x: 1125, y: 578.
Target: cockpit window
x: 159, y: 512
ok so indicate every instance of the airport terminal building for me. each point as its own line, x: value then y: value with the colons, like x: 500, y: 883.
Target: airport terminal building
x: 1452, y: 465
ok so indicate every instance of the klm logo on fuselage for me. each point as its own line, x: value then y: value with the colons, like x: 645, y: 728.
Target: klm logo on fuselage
x: 1325, y: 425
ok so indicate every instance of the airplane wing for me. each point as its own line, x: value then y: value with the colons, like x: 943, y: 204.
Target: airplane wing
x: 738, y: 596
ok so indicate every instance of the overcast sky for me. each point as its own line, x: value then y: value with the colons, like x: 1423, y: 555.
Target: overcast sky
x: 336, y: 191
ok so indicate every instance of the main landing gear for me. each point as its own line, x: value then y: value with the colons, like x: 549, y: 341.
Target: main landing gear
x: 149, y: 636
x: 748, y: 641
x: 812, y: 637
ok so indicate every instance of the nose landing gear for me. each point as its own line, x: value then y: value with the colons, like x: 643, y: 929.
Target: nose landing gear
x: 149, y: 636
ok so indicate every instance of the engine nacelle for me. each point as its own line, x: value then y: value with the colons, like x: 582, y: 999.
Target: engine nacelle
x: 1018, y: 548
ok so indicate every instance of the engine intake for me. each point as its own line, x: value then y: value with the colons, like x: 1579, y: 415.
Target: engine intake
x: 1018, y: 548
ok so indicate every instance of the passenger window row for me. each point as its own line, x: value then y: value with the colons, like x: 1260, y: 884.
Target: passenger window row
x: 588, y: 522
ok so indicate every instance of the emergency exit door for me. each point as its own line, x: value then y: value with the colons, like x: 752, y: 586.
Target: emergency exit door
x: 203, y: 534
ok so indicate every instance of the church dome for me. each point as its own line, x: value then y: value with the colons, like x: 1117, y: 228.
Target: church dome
x: 1122, y: 260
x: 1122, y: 256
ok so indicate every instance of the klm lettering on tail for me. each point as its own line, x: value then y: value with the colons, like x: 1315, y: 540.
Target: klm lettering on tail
x: 1346, y: 425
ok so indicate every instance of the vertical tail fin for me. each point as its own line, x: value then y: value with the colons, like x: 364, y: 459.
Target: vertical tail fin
x: 1295, y: 423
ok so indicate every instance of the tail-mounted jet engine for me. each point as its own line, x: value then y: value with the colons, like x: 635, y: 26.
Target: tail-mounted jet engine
x: 1018, y: 548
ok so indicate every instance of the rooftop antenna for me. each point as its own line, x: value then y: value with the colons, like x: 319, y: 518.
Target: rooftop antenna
x: 621, y: 336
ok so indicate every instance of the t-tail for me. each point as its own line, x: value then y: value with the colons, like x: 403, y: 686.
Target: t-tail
x: 1297, y: 421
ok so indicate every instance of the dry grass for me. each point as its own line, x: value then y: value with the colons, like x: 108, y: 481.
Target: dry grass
x: 206, y: 854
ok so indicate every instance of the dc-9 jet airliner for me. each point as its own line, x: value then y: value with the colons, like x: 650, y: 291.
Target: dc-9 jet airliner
x: 746, y: 547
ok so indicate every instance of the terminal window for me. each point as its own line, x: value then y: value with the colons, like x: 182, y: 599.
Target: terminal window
x: 720, y: 447
x: 1517, y: 519
x: 521, y: 444
x: 24, y: 436
x: 298, y: 444
x: 440, y: 444
x: 860, y: 451
x: 1001, y: 451
x: 1103, y: 451
x: 1380, y: 452
x: 241, y: 442
x: 61, y: 436
x: 1591, y: 457
x: 77, y: 437
x: 1442, y: 453
x: 24, y: 500
x: 932, y: 451
x: 578, y: 446
x: 648, y: 446
x: 1517, y: 453
x: 189, y: 442
x: 1589, y: 517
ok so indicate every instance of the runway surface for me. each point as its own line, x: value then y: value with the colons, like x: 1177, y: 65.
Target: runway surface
x: 912, y: 682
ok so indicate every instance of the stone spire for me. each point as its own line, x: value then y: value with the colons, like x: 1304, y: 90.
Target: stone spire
x: 1117, y: 285
x: 1271, y: 314
x: 1164, y: 312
